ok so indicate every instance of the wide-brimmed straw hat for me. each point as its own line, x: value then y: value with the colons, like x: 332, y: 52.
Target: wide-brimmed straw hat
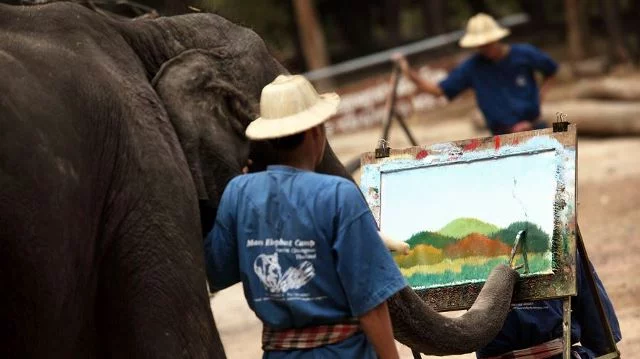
x: 482, y: 29
x: 290, y: 105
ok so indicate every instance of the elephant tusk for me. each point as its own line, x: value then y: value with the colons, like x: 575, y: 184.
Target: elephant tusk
x: 394, y: 245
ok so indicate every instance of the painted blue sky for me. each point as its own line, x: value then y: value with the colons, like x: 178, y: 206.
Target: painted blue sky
x: 494, y: 191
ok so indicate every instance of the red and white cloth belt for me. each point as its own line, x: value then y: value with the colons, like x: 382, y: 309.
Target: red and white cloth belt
x: 542, y: 351
x: 309, y: 337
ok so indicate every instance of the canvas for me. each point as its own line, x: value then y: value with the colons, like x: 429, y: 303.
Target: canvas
x: 460, y: 206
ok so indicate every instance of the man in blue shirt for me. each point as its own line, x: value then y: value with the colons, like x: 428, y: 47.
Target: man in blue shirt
x: 305, y: 245
x: 502, y: 76
x: 503, y: 79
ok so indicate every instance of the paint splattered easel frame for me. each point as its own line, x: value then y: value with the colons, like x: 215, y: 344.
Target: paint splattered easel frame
x: 561, y: 283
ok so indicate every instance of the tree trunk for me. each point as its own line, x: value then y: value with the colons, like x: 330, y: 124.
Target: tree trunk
x: 597, y: 118
x: 576, y: 36
x: 609, y: 89
x: 313, y: 44
x: 619, y: 50
x: 433, y: 14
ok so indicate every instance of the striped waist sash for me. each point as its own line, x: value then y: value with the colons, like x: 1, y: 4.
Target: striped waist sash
x: 309, y: 337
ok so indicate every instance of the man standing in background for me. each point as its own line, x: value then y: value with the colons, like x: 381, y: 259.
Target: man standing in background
x: 502, y: 76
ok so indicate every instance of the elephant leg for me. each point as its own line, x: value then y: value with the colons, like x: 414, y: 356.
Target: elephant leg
x: 153, y: 294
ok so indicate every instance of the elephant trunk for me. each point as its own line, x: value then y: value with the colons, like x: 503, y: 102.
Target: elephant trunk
x: 421, y: 328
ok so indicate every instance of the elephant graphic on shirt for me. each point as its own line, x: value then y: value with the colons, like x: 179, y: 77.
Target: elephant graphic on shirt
x: 267, y: 268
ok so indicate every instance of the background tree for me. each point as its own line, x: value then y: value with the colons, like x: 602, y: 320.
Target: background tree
x: 576, y: 30
x: 618, y: 44
x: 311, y: 33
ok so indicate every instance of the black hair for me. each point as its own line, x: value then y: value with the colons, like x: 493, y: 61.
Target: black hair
x: 289, y: 143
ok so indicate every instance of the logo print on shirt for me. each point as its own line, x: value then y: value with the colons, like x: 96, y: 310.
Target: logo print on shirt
x: 267, y: 268
x: 521, y: 81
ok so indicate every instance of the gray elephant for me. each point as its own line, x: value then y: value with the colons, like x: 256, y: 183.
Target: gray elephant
x: 111, y: 132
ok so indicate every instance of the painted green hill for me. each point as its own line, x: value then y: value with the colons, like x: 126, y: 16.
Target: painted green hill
x: 537, y: 239
x: 462, y: 227
x: 429, y: 238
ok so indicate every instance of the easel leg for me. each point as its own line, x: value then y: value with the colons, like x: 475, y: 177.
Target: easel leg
x: 405, y: 128
x: 391, y: 102
x: 591, y: 282
x: 566, y: 327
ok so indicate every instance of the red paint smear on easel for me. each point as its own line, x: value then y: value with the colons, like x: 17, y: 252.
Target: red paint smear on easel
x: 422, y: 154
x: 497, y: 141
x: 471, y: 145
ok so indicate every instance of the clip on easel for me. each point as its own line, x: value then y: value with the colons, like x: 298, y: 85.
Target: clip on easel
x: 561, y: 125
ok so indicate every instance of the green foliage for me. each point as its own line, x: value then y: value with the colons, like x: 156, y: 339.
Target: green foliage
x: 433, y: 239
x: 461, y: 227
x: 537, y: 240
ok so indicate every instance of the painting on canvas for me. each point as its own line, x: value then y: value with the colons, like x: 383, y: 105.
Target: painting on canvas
x: 461, y: 220
x: 461, y: 205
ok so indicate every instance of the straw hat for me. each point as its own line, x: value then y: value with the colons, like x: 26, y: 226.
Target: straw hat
x: 290, y: 105
x: 482, y: 29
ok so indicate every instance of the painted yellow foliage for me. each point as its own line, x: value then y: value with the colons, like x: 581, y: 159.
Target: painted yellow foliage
x: 447, y: 264
x: 422, y: 254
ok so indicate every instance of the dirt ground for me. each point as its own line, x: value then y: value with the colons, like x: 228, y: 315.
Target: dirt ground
x: 608, y: 214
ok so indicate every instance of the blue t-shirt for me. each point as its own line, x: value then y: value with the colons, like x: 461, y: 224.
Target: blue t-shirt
x: 534, y: 323
x: 505, y: 90
x: 306, y: 248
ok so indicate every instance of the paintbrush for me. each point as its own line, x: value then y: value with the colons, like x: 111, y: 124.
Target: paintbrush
x: 521, y: 236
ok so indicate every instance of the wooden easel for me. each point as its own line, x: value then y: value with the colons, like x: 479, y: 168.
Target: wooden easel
x: 558, y: 126
x: 391, y: 114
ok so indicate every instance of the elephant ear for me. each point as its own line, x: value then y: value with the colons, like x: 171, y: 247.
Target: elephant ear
x: 203, y: 95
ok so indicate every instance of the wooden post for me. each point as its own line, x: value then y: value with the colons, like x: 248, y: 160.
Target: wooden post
x: 618, y: 44
x: 576, y: 39
x: 312, y: 40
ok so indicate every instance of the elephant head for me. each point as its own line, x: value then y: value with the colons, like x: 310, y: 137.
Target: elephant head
x: 209, y: 74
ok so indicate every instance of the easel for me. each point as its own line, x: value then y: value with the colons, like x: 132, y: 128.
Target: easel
x: 559, y: 126
x: 391, y: 114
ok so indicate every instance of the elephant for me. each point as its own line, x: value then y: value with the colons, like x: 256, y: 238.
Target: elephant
x: 117, y: 139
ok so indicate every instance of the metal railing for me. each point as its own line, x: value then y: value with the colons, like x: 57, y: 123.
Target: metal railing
x: 409, y: 49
